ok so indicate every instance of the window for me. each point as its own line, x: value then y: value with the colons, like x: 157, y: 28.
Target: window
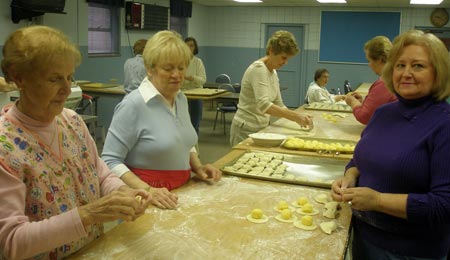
x: 179, y: 24
x: 103, y: 30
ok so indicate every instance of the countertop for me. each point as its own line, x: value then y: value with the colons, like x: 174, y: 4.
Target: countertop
x: 210, y: 223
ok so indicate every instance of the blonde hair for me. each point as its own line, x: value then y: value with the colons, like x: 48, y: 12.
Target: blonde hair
x: 438, y: 55
x: 282, y: 42
x: 378, y: 48
x: 31, y: 50
x: 166, y: 46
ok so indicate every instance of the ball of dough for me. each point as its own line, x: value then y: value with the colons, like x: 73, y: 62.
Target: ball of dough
x: 286, y: 214
x: 307, y: 208
x: 302, y: 201
x: 257, y: 213
x: 307, y: 220
x: 282, y: 204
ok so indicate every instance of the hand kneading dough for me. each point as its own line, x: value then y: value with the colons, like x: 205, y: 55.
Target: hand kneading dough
x: 308, y: 209
x: 306, y: 223
x: 257, y: 216
x: 328, y: 227
x: 286, y: 216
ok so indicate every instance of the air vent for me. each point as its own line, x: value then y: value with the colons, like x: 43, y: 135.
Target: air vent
x: 141, y: 16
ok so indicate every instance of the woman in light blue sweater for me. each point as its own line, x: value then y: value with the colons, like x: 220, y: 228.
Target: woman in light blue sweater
x: 150, y: 143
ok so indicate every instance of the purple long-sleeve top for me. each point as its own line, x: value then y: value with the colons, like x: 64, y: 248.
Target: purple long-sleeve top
x: 405, y: 149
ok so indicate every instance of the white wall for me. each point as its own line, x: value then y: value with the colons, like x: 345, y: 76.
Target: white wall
x: 241, y: 26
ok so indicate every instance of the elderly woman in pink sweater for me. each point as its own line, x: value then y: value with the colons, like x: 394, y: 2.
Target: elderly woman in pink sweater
x: 55, y: 191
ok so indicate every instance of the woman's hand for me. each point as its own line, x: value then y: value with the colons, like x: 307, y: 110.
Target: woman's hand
x: 163, y: 198
x: 208, y: 172
x: 339, y: 185
x: 121, y: 204
x: 362, y: 198
x: 190, y: 78
x: 353, y: 99
x: 304, y: 120
x: 338, y: 98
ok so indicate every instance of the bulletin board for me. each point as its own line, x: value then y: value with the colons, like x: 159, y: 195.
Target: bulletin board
x: 344, y: 33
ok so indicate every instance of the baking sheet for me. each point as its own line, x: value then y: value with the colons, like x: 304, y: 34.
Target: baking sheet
x: 329, y: 107
x: 302, y: 170
x: 322, y: 140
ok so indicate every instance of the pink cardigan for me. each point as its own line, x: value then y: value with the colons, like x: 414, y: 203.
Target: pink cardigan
x: 378, y: 95
x: 19, y: 236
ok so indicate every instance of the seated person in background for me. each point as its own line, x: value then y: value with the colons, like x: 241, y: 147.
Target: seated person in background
x: 317, y: 91
x: 134, y: 70
x: 260, y: 96
x: 7, y: 86
x: 55, y: 191
x: 398, y: 182
x: 150, y: 143
x: 195, y: 78
x: 377, y: 50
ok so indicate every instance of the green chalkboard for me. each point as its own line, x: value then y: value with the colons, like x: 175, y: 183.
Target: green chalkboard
x: 343, y: 33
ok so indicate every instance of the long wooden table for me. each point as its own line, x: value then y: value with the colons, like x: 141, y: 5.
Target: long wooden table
x: 210, y: 223
x: 345, y: 128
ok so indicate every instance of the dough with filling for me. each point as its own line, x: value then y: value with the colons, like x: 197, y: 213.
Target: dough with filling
x: 242, y: 160
x: 322, y: 198
x: 257, y: 216
x: 307, y: 209
x: 278, y: 156
x: 286, y: 216
x: 306, y: 223
x: 282, y: 204
x: 300, y: 202
x: 328, y: 227
x: 331, y: 209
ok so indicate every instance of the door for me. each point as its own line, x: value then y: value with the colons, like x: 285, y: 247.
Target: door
x: 290, y: 74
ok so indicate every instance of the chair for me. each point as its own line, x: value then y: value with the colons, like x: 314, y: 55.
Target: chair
x: 225, y: 106
x: 223, y: 78
x: 220, y: 79
x: 88, y: 111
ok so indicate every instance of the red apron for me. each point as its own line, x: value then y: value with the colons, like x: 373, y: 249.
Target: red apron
x: 169, y: 179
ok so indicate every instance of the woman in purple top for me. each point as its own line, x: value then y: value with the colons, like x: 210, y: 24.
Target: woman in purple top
x: 398, y: 182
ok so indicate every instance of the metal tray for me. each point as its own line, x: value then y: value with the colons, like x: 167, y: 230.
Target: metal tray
x: 329, y: 107
x: 302, y: 170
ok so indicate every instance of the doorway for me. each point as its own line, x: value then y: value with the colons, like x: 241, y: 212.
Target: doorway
x: 290, y: 75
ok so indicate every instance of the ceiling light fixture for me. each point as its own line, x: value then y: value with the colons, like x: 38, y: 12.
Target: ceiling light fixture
x: 332, y: 1
x: 425, y: 2
x: 248, y: 1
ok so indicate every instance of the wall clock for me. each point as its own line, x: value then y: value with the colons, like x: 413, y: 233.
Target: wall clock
x: 439, y: 17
